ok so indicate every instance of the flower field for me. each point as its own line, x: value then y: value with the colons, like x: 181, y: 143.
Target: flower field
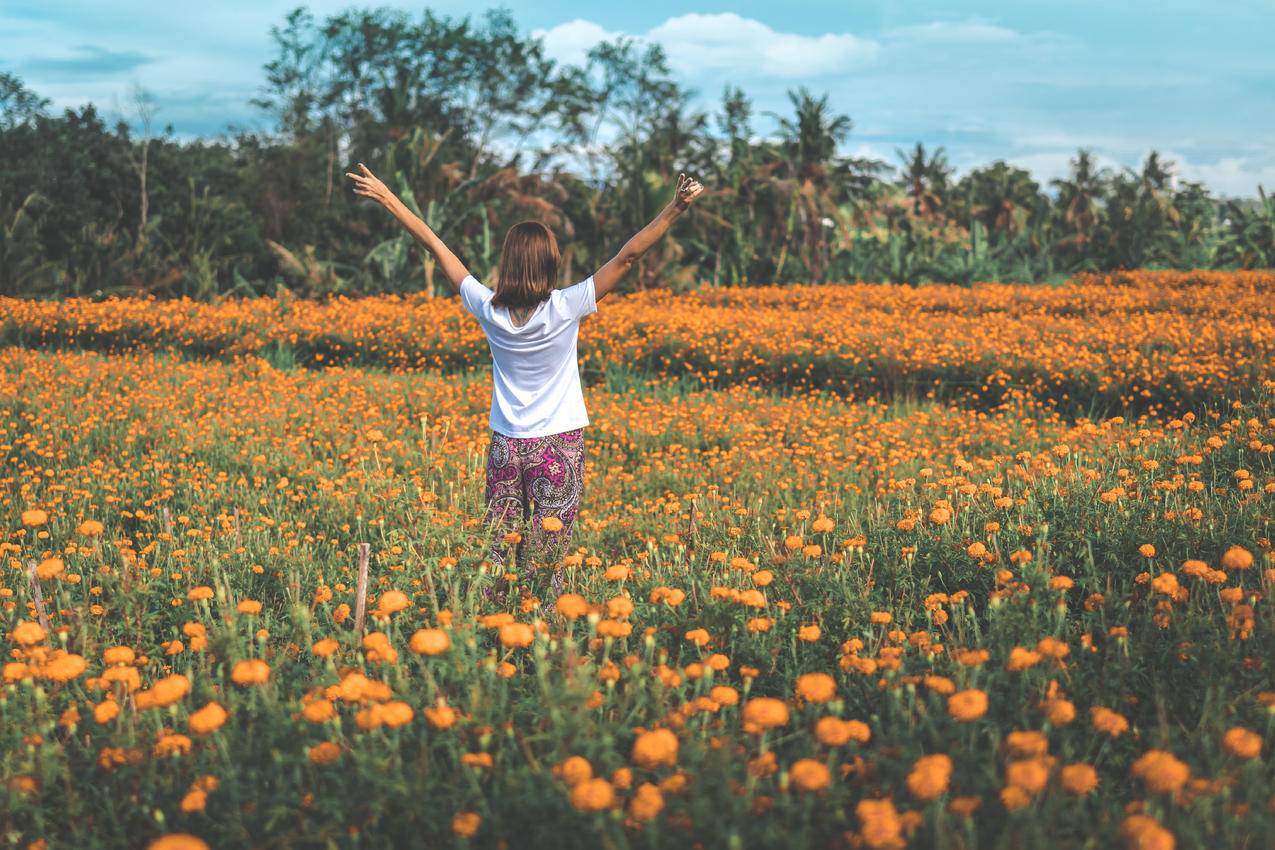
x: 858, y: 566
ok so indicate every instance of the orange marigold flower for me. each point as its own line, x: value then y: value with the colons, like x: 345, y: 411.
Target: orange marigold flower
x: 1079, y: 779
x: 430, y: 642
x: 1108, y: 721
x: 647, y: 803
x: 655, y: 748
x: 816, y: 687
x: 1237, y: 558
x: 516, y: 635
x: 177, y: 841
x: 466, y: 824
x: 1143, y: 832
x: 930, y: 776
x: 765, y: 713
x: 207, y: 719
x: 1161, y: 771
x: 324, y: 752
x: 967, y: 706
x: 252, y: 671
x: 1242, y: 743
x: 27, y: 633
x: 593, y: 795
x: 809, y: 775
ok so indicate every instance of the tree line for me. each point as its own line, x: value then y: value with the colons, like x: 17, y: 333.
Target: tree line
x: 476, y: 128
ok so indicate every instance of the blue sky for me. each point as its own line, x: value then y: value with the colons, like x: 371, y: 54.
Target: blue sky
x: 1026, y: 81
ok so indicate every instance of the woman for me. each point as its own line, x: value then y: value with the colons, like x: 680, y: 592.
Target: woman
x: 535, y: 464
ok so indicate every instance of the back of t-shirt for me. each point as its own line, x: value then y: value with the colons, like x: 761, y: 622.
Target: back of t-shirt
x: 535, y: 376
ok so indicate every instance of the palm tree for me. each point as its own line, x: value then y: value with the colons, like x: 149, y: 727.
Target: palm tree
x: 1249, y: 240
x: 1001, y: 197
x: 1078, y: 203
x: 925, y: 179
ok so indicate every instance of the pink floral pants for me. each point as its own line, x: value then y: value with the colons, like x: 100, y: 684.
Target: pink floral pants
x: 531, y: 480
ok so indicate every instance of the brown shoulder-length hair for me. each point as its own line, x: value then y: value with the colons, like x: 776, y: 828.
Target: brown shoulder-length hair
x: 528, y: 266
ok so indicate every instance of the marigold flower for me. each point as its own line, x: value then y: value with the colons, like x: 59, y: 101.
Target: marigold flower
x: 1108, y: 721
x: 647, y: 803
x: 593, y: 795
x: 930, y: 776
x: 466, y: 824
x: 724, y: 695
x: 207, y: 719
x: 765, y: 713
x: 1143, y: 832
x: 551, y: 524
x: 574, y: 770
x: 880, y: 825
x: 1161, y: 771
x: 1079, y: 779
x: 816, y: 687
x: 655, y: 748
x: 571, y: 606
x: 27, y: 633
x: 324, y: 752
x: 516, y: 635
x: 172, y: 744
x: 64, y: 667
x: 318, y: 711
x: 430, y: 642
x: 1031, y: 774
x: 967, y: 706
x: 248, y: 606
x: 252, y: 671
x: 177, y: 841
x: 1242, y: 743
x: 50, y: 568
x: 1237, y: 558
x: 809, y: 775
x: 393, y: 601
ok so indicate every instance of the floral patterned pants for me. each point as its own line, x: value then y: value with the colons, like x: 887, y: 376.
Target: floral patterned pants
x: 536, y: 481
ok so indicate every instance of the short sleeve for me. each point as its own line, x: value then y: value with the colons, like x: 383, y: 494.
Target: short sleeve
x: 580, y: 299
x: 474, y: 295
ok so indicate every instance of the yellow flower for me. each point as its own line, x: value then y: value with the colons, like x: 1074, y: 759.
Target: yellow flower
x: 655, y: 748
x: 466, y: 824
x: 34, y: 517
x: 1237, y: 558
x: 324, y: 753
x: 430, y: 642
x: 574, y: 770
x: 551, y: 524
x: 571, y: 606
x: 249, y: 606
x: 765, y: 713
x: 393, y: 601
x: 816, y: 687
x: 647, y: 803
x: 593, y: 795
x: 516, y: 635
x: 967, y: 706
x: 1161, y: 771
x: 207, y: 719
x: 1242, y: 743
x: 27, y: 633
x: 252, y: 671
x: 1079, y: 779
x: 50, y: 568
x: 91, y: 528
x: 177, y: 841
x: 930, y: 776
x: 809, y: 775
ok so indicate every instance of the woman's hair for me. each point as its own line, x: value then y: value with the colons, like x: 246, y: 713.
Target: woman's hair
x: 528, y: 266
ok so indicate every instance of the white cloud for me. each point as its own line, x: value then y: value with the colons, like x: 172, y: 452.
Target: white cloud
x: 973, y: 30
x: 725, y: 43
x: 569, y: 43
x: 1229, y: 176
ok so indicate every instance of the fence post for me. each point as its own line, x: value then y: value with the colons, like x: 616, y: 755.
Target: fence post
x: 360, y: 598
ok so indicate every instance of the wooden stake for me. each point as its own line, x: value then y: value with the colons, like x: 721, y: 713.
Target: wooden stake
x: 37, y: 595
x: 237, y: 532
x: 360, y: 598
x: 168, y: 520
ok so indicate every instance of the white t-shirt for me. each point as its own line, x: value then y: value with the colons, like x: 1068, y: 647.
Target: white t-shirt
x: 535, y: 379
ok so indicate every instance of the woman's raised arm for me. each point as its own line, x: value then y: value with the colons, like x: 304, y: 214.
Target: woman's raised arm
x: 369, y: 185
x: 606, y: 278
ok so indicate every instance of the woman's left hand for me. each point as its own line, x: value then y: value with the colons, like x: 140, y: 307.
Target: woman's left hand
x: 369, y: 185
x: 688, y: 189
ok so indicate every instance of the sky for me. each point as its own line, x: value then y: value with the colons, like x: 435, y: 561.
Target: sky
x: 1028, y: 82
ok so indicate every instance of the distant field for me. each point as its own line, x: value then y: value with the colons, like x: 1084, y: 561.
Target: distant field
x: 859, y: 566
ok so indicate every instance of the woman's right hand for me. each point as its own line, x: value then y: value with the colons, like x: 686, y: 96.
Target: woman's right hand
x: 369, y: 185
x: 688, y: 189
